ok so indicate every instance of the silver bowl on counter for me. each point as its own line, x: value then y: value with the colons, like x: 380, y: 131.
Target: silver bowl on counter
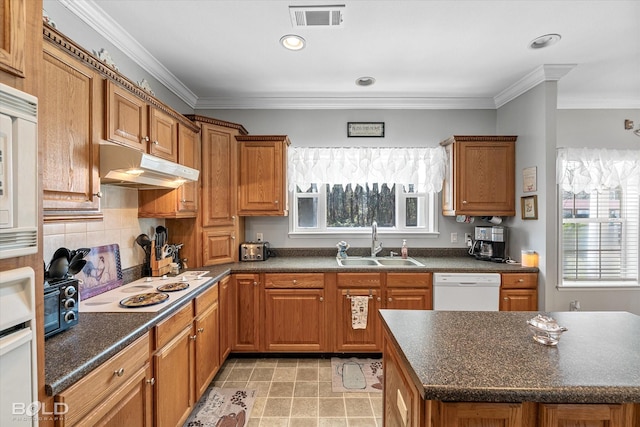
x: 545, y: 329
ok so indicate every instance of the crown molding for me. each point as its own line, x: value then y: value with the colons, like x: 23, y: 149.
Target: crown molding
x: 543, y: 73
x: 568, y: 103
x: 91, y: 14
x: 346, y: 103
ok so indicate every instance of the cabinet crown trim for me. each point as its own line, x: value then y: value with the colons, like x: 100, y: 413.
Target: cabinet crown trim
x: 479, y: 138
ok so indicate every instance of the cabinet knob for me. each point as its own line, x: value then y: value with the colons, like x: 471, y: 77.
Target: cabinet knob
x: 233, y: 237
x: 151, y: 381
x: 520, y: 280
x: 193, y: 337
x: 98, y: 194
x: 464, y: 202
x: 295, y: 281
x: 119, y: 372
x: 276, y: 202
x: 156, y: 143
x: 390, y: 299
x: 200, y: 330
x: 255, y: 283
x: 506, y: 298
x: 145, y: 139
x: 379, y: 299
x: 321, y: 299
x: 183, y: 201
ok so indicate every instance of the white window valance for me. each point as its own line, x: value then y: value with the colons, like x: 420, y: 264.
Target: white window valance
x: 422, y: 167
x: 590, y: 169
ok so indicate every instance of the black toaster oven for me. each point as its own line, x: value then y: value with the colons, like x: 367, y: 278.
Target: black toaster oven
x: 254, y: 251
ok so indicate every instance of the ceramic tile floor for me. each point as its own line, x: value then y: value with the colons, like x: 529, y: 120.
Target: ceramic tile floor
x: 297, y: 393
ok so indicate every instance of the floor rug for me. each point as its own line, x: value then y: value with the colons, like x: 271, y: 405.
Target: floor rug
x: 223, y: 407
x: 356, y: 375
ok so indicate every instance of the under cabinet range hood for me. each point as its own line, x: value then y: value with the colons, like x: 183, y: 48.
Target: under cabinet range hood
x: 128, y: 167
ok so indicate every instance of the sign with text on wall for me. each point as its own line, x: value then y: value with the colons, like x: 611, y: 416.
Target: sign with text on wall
x: 365, y: 129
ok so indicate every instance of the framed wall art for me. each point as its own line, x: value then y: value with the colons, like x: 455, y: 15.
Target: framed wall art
x: 529, y: 207
x: 365, y: 129
x: 529, y: 180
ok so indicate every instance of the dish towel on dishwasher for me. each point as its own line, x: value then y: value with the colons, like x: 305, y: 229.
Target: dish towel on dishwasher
x: 359, y: 311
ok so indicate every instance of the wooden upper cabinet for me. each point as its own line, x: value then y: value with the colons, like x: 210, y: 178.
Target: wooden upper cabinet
x: 126, y: 117
x: 263, y: 175
x: 480, y: 176
x: 13, y: 37
x: 70, y: 104
x: 163, y: 135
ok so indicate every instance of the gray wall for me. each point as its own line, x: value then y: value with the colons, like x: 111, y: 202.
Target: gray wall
x: 321, y: 128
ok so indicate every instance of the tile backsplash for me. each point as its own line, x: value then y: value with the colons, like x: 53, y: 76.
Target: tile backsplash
x: 120, y: 225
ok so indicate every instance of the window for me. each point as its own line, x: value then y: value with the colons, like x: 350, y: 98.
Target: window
x: 600, y: 218
x: 343, y: 190
x: 336, y: 208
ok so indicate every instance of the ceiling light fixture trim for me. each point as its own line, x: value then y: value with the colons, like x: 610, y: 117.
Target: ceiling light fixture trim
x: 293, y: 42
x: 545, y: 41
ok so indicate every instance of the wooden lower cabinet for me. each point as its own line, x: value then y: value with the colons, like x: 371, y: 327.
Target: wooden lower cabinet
x: 246, y: 312
x: 295, y: 316
x: 348, y: 338
x: 409, y: 291
x: 519, y: 292
x: 207, y: 341
x: 118, y: 390
x: 403, y: 406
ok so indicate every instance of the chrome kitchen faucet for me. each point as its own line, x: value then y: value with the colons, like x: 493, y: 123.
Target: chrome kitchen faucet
x: 375, y: 245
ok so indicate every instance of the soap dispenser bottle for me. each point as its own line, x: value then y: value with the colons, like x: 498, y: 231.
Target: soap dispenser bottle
x: 405, y: 250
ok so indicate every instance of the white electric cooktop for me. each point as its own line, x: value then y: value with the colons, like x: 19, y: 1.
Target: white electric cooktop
x: 159, y: 291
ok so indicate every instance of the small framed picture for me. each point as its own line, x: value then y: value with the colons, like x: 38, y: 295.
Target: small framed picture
x: 529, y: 184
x: 529, y: 207
x: 368, y: 129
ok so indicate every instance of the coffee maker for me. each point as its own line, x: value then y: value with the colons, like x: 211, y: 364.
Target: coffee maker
x: 490, y: 244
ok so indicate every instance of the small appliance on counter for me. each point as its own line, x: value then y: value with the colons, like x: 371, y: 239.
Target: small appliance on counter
x: 60, y: 305
x: 254, y: 251
x: 490, y: 244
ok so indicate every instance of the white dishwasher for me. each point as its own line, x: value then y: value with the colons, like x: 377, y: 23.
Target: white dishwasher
x: 466, y: 291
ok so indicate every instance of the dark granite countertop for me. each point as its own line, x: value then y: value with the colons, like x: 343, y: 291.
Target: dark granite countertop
x: 491, y: 356
x: 72, y: 354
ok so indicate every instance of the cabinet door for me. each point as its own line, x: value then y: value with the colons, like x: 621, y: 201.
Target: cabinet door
x: 564, y: 415
x: 518, y: 300
x: 70, y: 113
x: 163, y: 135
x: 14, y: 41
x: 218, y: 246
x: 295, y: 320
x: 174, y: 389
x: 350, y: 339
x: 226, y: 318
x: 247, y: 312
x: 188, y: 155
x: 207, y: 361
x: 126, y: 118
x: 485, y: 178
x: 409, y: 299
x: 219, y: 176
x: 481, y: 414
x: 403, y: 405
x: 262, y: 178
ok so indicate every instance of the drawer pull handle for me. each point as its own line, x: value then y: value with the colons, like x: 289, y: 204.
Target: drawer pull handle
x: 119, y: 372
x: 152, y: 381
x: 201, y: 330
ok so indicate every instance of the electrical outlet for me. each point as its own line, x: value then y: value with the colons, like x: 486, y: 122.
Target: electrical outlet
x: 468, y: 240
x: 454, y: 237
x: 259, y: 237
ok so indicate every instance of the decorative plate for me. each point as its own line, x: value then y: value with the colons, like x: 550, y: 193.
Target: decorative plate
x: 173, y: 287
x: 143, y: 300
x: 105, y: 57
x: 144, y: 85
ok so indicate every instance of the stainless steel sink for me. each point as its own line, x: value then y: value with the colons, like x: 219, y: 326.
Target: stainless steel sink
x: 379, y: 262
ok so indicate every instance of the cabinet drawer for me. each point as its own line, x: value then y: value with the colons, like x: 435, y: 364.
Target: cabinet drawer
x: 294, y: 280
x: 519, y: 280
x: 206, y: 299
x: 358, y: 280
x: 409, y: 280
x: 169, y: 328
x: 102, y: 382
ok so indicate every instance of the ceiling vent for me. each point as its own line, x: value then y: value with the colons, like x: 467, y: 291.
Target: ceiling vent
x: 317, y: 16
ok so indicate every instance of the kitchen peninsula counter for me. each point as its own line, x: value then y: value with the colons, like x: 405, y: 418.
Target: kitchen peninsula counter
x: 98, y: 336
x: 448, y: 356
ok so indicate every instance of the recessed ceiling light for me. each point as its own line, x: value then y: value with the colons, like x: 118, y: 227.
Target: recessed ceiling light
x: 365, y: 81
x: 292, y: 42
x: 544, y: 41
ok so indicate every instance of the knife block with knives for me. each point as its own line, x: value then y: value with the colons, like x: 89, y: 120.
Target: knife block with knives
x: 159, y: 267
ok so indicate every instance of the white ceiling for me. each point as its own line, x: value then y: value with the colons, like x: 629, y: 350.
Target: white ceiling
x: 423, y: 54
